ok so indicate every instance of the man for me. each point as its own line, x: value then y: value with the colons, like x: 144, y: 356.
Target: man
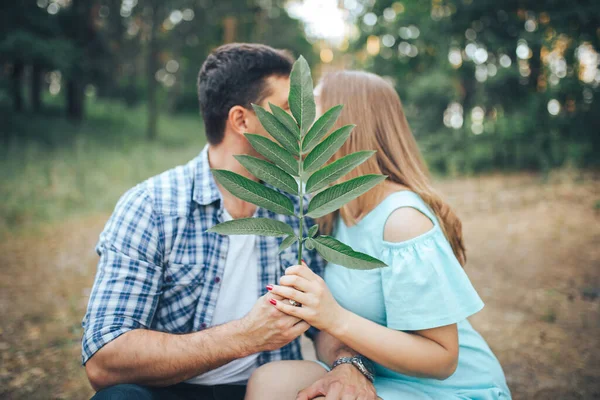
x: 175, y: 311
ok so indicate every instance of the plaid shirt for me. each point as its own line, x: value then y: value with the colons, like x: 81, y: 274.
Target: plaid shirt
x: 159, y: 269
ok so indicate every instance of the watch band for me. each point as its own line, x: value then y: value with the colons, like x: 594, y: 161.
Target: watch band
x: 363, y: 364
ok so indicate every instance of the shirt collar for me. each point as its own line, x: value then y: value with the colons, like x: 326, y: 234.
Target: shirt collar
x: 205, y: 187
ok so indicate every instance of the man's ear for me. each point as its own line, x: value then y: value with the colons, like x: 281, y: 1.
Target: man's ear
x: 238, y: 119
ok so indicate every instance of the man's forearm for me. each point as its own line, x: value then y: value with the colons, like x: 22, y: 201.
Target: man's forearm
x: 161, y: 359
x: 330, y: 349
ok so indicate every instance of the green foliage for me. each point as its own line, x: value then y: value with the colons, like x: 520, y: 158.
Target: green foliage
x: 320, y: 128
x: 336, y: 196
x: 272, y: 151
x: 337, y: 252
x: 287, y: 242
x: 279, y: 131
x: 253, y: 192
x: 269, y: 173
x: 285, y: 131
x: 301, y: 99
x: 332, y: 172
x: 253, y: 226
x: 502, y: 120
x: 286, y: 119
x: 326, y: 149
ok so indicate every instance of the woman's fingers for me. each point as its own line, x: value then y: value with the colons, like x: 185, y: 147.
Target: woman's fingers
x: 297, y: 312
x: 289, y: 293
x: 301, y: 270
x: 298, y: 282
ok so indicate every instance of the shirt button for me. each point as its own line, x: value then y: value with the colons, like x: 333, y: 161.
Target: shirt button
x: 203, y: 325
x: 217, y: 279
x: 223, y: 256
x: 168, y: 279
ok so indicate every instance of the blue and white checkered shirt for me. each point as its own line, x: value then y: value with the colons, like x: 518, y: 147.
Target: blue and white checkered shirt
x: 159, y: 269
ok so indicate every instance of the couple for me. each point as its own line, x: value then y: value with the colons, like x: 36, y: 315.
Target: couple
x: 180, y: 313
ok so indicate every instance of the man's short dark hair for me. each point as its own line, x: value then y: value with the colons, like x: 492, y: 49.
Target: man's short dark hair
x: 235, y: 74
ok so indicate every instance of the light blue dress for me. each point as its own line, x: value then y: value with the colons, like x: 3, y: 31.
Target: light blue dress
x: 423, y: 287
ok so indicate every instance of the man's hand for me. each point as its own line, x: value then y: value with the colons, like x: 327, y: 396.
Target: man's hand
x: 267, y: 328
x: 344, y: 382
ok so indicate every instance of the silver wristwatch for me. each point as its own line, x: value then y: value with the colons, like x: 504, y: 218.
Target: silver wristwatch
x: 363, y: 364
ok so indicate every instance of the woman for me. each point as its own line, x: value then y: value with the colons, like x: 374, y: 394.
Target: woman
x: 408, y: 318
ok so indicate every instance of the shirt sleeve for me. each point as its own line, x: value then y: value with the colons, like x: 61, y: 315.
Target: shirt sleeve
x: 424, y: 285
x: 129, y: 277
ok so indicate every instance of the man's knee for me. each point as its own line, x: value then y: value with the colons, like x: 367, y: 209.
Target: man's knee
x: 123, y: 392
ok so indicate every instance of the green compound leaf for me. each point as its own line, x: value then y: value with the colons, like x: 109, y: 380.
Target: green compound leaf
x: 272, y: 151
x: 287, y: 242
x: 338, y: 253
x: 301, y: 98
x: 269, y: 173
x: 277, y: 130
x: 286, y: 119
x: 336, y: 196
x: 332, y: 172
x: 327, y: 148
x: 253, y: 226
x: 320, y: 128
x: 253, y: 192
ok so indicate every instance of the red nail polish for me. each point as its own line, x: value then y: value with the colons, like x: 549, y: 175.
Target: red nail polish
x: 303, y: 262
x: 273, y: 301
x: 269, y: 287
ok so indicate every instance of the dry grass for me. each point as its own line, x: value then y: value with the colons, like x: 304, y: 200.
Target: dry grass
x: 534, y: 256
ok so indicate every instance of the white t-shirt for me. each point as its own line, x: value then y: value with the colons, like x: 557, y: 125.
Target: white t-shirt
x: 238, y: 294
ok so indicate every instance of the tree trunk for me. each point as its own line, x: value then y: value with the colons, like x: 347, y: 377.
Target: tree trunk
x: 229, y: 29
x: 82, y: 21
x: 75, y: 99
x: 17, y: 81
x: 36, y: 87
x: 152, y: 67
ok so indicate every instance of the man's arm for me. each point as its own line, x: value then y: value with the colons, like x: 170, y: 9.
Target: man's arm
x: 161, y: 359
x: 118, y: 346
x: 330, y: 349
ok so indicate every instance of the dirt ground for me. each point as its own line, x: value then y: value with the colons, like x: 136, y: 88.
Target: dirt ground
x: 534, y: 257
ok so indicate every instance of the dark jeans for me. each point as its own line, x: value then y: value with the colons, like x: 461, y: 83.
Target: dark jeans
x: 181, y: 391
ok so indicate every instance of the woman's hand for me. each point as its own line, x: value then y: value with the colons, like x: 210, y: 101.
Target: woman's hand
x: 302, y: 285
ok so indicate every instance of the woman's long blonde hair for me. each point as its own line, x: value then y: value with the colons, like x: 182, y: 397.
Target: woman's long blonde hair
x: 374, y: 106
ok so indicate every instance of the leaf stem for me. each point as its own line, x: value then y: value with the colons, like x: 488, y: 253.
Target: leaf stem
x: 301, y: 216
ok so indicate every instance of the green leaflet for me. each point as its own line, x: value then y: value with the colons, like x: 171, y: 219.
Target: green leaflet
x: 308, y: 244
x: 332, y: 172
x: 320, y: 128
x: 253, y: 226
x: 313, y: 230
x: 269, y: 173
x: 337, y: 252
x: 253, y: 192
x: 272, y: 151
x: 277, y: 130
x: 336, y: 196
x: 327, y: 148
x: 286, y: 119
x: 301, y: 98
x: 287, y: 242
